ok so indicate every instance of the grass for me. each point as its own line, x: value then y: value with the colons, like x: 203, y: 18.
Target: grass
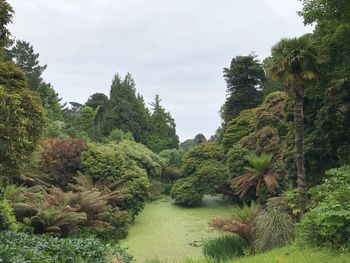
x: 289, y: 254
x: 169, y: 232
x: 224, y: 247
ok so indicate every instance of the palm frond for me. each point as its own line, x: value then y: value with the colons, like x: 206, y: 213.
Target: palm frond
x: 259, y: 163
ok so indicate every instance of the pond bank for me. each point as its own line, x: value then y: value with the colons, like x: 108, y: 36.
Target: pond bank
x: 166, y: 231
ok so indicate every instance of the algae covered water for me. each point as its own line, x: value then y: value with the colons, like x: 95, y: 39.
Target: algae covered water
x: 167, y: 231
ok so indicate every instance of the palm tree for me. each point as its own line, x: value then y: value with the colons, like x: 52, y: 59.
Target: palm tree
x: 258, y: 174
x: 294, y: 63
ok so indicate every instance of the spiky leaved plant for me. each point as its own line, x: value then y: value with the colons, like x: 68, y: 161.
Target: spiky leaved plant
x: 259, y: 173
x: 241, y: 223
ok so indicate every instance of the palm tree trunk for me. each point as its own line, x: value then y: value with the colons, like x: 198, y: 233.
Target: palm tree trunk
x: 299, y: 151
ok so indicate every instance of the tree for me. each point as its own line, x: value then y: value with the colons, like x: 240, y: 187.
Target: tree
x: 205, y: 172
x: 256, y: 175
x: 190, y: 143
x: 6, y: 16
x: 294, y: 63
x: 22, y: 53
x: 243, y: 78
x: 126, y: 110
x: 87, y: 120
x: 162, y: 134
x: 99, y: 103
x: 21, y: 120
x: 51, y: 102
x: 322, y: 10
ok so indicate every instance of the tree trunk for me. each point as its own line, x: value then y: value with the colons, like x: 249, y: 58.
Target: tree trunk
x: 299, y: 151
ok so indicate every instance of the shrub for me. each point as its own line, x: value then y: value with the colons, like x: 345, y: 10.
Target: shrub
x: 273, y: 227
x: 172, y: 157
x: 140, y: 155
x: 21, y: 247
x: 238, y: 128
x: 7, y: 218
x: 212, y: 176
x: 61, y: 159
x: 171, y: 173
x: 205, y: 171
x: 55, y: 129
x: 194, y: 158
x: 119, y: 135
x: 328, y: 221
x: 236, y: 160
x: 21, y: 120
x: 111, y: 163
x: 224, y: 248
x: 187, y: 191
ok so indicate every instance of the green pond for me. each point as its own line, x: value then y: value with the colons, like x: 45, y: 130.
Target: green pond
x: 169, y: 232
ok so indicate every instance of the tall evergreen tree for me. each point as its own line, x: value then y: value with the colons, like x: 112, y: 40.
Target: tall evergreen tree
x: 162, y: 133
x: 99, y: 103
x: 244, y: 78
x: 126, y: 110
x: 23, y: 54
x: 6, y: 16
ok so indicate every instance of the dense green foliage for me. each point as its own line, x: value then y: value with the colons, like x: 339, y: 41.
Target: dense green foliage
x: 260, y: 130
x: 328, y: 221
x: 22, y: 53
x: 205, y: 172
x: 268, y: 143
x: 189, y: 143
x: 7, y: 218
x: 244, y: 77
x: 21, y: 119
x: 106, y: 162
x: 224, y: 248
x: 20, y: 247
x: 172, y: 157
x: 6, y: 17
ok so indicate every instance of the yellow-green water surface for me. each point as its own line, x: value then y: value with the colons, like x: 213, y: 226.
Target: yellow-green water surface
x: 166, y: 231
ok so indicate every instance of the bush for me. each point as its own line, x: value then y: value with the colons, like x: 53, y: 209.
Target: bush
x: 171, y: 173
x: 119, y: 135
x: 273, y: 228
x: 236, y: 160
x: 205, y: 171
x: 224, y: 248
x: 20, y: 247
x: 328, y: 221
x: 238, y: 128
x: 61, y: 159
x: 114, y: 163
x: 21, y: 120
x: 140, y: 155
x: 172, y: 157
x: 194, y: 158
x: 187, y: 191
x: 7, y: 218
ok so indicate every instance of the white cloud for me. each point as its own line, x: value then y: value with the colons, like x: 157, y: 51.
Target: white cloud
x: 175, y: 48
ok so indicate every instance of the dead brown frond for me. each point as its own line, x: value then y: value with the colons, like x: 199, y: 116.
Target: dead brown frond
x: 243, y: 183
x: 271, y: 183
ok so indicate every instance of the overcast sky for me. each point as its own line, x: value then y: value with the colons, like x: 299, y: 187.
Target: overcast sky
x: 174, y: 48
